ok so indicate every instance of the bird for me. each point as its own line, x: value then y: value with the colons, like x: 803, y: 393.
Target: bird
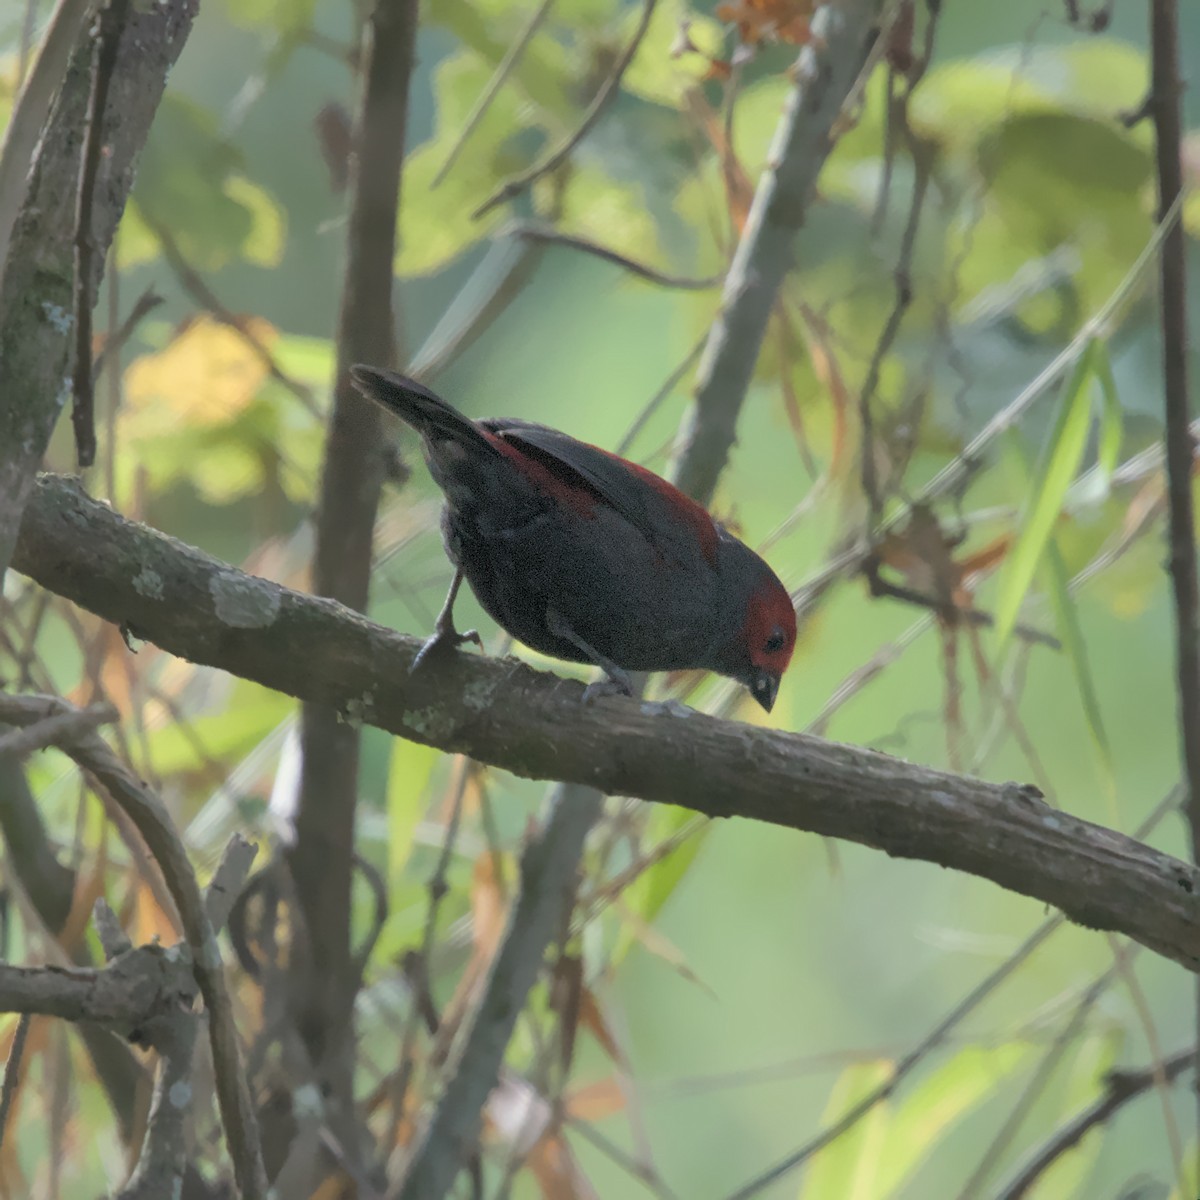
x: 586, y: 557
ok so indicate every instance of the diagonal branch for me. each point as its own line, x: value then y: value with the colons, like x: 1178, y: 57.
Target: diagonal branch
x: 825, y: 78
x: 534, y: 725
x: 1120, y: 1088
x: 549, y: 867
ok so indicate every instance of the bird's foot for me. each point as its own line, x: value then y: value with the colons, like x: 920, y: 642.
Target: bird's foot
x: 615, y: 683
x: 445, y: 638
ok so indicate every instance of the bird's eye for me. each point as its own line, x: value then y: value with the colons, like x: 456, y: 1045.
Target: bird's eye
x: 774, y: 642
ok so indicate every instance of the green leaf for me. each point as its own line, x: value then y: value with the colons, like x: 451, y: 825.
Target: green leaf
x: 263, y: 245
x: 543, y: 76
x: 1069, y: 630
x: 1056, y: 471
x: 1094, y: 1058
x: 847, y: 1168
x: 190, y: 181
x: 960, y: 101
x: 229, y: 734
x: 946, y: 1095
x: 409, y: 773
x: 282, y: 16
x: 876, y: 1157
x: 655, y: 73
x: 436, y: 225
x: 1111, y: 417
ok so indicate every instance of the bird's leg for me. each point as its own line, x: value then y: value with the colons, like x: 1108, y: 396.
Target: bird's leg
x: 445, y: 636
x: 618, y: 682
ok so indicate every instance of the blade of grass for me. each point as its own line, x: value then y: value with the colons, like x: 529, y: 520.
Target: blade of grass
x: 1057, y: 468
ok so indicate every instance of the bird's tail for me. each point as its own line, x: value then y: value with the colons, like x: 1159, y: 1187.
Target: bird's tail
x: 416, y: 405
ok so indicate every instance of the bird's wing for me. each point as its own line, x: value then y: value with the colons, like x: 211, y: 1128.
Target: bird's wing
x: 657, y: 509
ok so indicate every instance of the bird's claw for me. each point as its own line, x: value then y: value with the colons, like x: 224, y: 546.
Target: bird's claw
x: 610, y: 685
x: 445, y: 638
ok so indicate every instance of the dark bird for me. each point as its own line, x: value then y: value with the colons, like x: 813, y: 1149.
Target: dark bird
x: 589, y: 558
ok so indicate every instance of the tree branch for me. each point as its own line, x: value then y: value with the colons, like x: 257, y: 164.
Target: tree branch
x: 534, y: 725
x: 825, y: 72
x: 549, y: 867
x: 145, y: 810
x: 1120, y: 1088
x: 1166, y: 89
x: 37, y: 286
x: 323, y: 979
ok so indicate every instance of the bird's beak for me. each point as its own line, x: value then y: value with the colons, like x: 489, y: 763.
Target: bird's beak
x: 764, y: 687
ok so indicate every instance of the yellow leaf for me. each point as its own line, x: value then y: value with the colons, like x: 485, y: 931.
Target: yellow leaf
x: 205, y: 376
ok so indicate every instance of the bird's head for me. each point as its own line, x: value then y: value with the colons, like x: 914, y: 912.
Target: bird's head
x: 759, y: 651
x: 768, y: 639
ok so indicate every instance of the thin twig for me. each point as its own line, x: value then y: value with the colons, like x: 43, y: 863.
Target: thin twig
x: 148, y: 813
x: 1145, y: 1016
x: 652, y: 405
x: 905, y: 1066
x: 950, y: 612
x: 198, y: 288
x: 543, y: 233
x: 57, y: 729
x: 1166, y: 88
x: 1037, y: 1082
x: 826, y: 75
x: 548, y: 871
x: 932, y: 1040
x: 110, y: 24
x: 922, y: 156
x: 417, y: 965
x: 504, y: 69
x: 608, y: 91
x: 147, y: 302
x: 1120, y: 1088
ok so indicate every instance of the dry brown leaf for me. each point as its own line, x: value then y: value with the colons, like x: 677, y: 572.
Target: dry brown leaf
x: 768, y: 20
x: 556, y: 1171
x: 592, y: 1019
x: 596, y: 1101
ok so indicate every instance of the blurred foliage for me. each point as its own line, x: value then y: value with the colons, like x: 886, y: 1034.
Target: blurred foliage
x: 724, y: 991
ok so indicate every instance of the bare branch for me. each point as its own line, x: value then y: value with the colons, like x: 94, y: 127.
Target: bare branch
x: 57, y: 728
x: 36, y: 292
x: 109, y: 26
x: 146, y: 811
x: 1120, y: 1087
x: 32, y: 107
x: 532, y: 232
x: 324, y: 980
x: 825, y: 77
x: 533, y: 724
x: 1166, y: 89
